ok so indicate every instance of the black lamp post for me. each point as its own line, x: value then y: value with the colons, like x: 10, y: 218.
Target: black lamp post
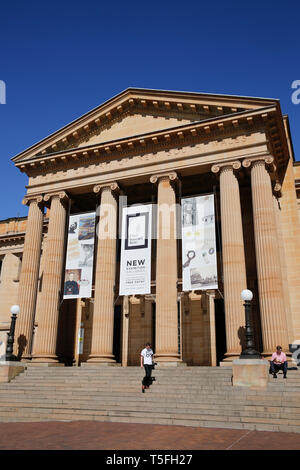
x: 15, y: 309
x: 249, y: 352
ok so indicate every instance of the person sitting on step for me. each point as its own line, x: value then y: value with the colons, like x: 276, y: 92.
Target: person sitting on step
x: 278, y: 362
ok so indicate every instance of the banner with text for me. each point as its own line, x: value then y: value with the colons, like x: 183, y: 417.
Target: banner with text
x: 199, y: 260
x: 135, y: 266
x: 80, y: 256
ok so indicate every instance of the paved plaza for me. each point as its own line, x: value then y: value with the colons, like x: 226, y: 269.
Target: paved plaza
x: 83, y: 435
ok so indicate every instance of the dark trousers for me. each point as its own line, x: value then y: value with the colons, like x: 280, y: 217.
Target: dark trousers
x: 147, y: 379
x: 276, y: 367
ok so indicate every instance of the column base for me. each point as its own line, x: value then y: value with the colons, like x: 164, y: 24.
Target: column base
x: 228, y: 359
x: 45, y: 364
x: 108, y: 359
x: 168, y: 360
x: 162, y: 364
x: 100, y: 364
x: 50, y: 361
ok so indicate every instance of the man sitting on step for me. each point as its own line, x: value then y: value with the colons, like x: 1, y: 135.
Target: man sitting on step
x: 278, y: 362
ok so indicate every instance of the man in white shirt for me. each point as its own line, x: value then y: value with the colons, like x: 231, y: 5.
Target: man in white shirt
x: 147, y: 363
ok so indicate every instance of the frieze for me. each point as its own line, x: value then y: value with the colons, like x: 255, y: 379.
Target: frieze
x: 204, y: 152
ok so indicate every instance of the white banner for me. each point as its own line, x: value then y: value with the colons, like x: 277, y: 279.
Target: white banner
x: 199, y: 260
x: 135, y: 266
x: 80, y: 256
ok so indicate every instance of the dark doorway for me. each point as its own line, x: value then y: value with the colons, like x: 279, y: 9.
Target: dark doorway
x: 220, y: 329
x: 117, y: 333
x: 66, y: 338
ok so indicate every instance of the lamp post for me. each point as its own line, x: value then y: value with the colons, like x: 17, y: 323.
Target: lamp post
x: 249, y: 352
x: 15, y: 310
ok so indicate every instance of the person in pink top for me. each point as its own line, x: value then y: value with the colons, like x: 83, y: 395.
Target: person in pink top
x: 279, y: 362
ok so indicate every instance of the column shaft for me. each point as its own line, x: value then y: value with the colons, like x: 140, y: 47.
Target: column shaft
x: 234, y: 269
x: 166, y: 275
x: 274, y: 328
x: 103, y: 317
x: 29, y: 279
x: 45, y: 343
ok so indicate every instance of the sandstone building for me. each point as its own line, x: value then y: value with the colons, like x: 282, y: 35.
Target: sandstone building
x: 155, y: 147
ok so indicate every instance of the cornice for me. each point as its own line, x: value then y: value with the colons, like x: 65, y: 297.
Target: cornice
x: 190, y: 134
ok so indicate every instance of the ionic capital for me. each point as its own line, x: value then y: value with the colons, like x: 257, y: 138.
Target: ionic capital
x: 62, y: 195
x: 170, y: 176
x: 28, y: 199
x: 113, y: 187
x: 267, y: 160
x: 234, y: 165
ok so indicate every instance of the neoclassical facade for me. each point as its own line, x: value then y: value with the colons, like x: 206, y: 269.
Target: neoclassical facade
x: 154, y: 146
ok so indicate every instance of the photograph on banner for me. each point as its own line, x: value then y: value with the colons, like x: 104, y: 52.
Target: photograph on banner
x: 135, y: 266
x: 199, y: 259
x: 80, y: 256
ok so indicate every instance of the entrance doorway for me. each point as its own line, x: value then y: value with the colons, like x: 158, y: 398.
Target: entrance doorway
x: 220, y: 330
x: 117, y: 333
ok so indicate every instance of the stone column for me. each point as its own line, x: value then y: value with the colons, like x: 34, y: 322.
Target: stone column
x: 103, y: 318
x: 271, y: 299
x: 166, y: 271
x: 125, y: 330
x: 234, y: 268
x: 46, y: 337
x: 29, y: 276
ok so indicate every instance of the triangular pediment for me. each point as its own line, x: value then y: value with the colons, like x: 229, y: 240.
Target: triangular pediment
x: 132, y: 125
x: 138, y: 112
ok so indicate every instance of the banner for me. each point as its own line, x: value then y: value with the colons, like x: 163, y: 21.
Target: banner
x: 80, y: 256
x: 199, y: 260
x: 135, y: 266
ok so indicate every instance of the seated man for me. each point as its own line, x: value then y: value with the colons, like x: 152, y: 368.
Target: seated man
x: 278, y: 362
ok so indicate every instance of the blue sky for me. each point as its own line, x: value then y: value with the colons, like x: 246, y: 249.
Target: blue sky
x: 61, y: 59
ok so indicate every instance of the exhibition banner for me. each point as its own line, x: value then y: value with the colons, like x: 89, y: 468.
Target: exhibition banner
x: 199, y: 260
x: 80, y: 256
x: 135, y: 266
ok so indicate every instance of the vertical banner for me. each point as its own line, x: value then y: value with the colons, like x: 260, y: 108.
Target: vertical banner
x: 135, y: 266
x: 80, y: 256
x: 199, y: 260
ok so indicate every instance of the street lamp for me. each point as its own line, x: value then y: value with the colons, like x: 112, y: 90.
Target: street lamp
x: 14, y: 310
x: 249, y: 352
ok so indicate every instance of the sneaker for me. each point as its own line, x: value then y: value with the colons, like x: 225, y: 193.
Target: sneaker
x: 274, y: 376
x: 284, y: 376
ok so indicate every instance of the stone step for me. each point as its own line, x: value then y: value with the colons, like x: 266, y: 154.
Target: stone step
x: 234, y: 408
x: 161, y: 380
x: 59, y: 414
x: 151, y: 399
x: 186, y: 396
x: 155, y: 389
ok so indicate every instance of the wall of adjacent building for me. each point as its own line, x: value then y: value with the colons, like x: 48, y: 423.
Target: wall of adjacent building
x: 290, y: 230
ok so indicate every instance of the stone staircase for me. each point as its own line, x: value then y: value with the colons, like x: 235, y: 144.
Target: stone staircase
x: 188, y: 396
